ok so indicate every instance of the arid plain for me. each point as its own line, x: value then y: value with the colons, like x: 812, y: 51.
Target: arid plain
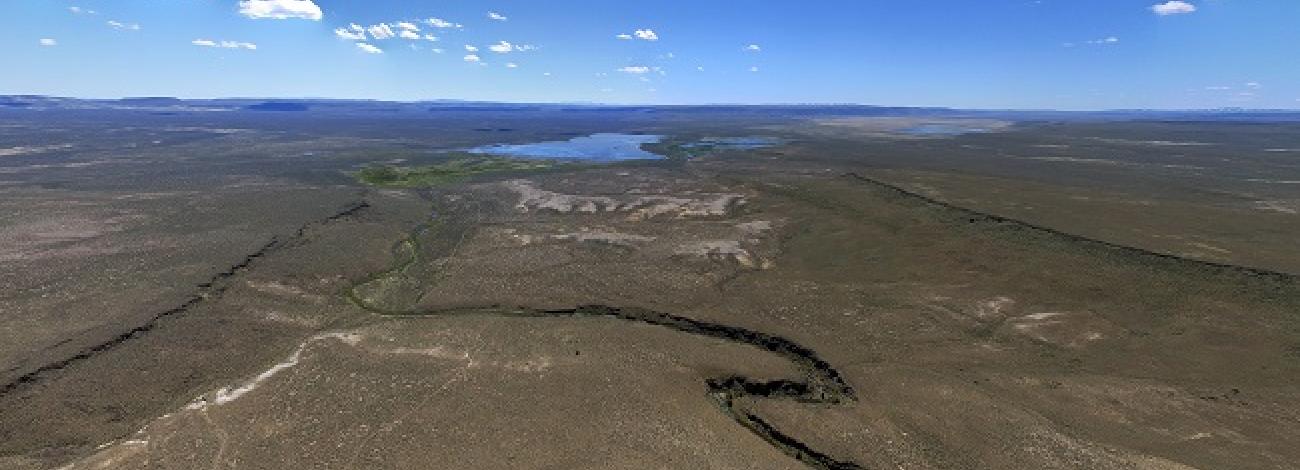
x: 248, y: 290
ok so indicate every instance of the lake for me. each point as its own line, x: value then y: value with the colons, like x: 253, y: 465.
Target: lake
x: 595, y: 147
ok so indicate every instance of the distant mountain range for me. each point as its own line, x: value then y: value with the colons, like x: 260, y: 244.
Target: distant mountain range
x: 336, y: 106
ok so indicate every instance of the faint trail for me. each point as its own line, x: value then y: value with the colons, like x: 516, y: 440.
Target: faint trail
x: 362, y: 443
x: 214, y: 287
x: 223, y: 440
x: 975, y: 216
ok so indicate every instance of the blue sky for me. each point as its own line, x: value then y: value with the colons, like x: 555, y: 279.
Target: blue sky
x: 1063, y: 54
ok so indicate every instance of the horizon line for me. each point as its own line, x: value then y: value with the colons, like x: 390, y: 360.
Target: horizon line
x: 662, y: 105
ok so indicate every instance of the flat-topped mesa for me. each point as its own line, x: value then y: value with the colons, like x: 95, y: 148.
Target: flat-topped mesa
x: 640, y: 207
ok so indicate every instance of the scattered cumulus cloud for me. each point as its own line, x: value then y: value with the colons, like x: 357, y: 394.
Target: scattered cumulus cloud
x: 442, y: 24
x: 642, y: 34
x: 381, y: 31
x: 369, y: 48
x: 753, y: 48
x: 492, y: 15
x: 506, y: 47
x: 408, y: 31
x: 224, y: 44
x: 646, y: 34
x: 47, y: 42
x: 1254, y: 85
x: 634, y: 69
x: 473, y: 58
x: 512, y: 65
x: 470, y: 48
x: 80, y: 11
x: 1173, y: 7
x: 120, y: 26
x: 1218, y: 88
x: 437, y: 50
x: 354, y: 32
x: 753, y: 69
x: 281, y: 9
x: 1105, y: 40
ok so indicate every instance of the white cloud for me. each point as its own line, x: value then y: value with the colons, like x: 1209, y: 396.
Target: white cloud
x: 753, y: 48
x: 442, y: 24
x: 753, y: 69
x: 505, y: 47
x: 280, y: 9
x: 430, y: 38
x: 369, y: 48
x: 353, y: 32
x: 381, y: 31
x: 408, y: 30
x: 700, y: 68
x: 224, y: 44
x: 81, y: 11
x: 1173, y: 7
x: 1218, y: 88
x: 473, y: 58
x: 47, y: 42
x: 120, y: 26
x: 469, y: 48
x: 1254, y: 85
x: 624, y: 36
x: 641, y: 70
x: 512, y: 65
x: 646, y: 34
x: 492, y: 15
x: 437, y: 50
x: 546, y: 74
x: 1105, y: 40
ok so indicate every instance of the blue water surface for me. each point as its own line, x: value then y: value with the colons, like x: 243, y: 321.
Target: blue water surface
x: 595, y: 147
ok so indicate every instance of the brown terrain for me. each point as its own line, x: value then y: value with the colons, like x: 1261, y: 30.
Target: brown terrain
x: 850, y: 298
